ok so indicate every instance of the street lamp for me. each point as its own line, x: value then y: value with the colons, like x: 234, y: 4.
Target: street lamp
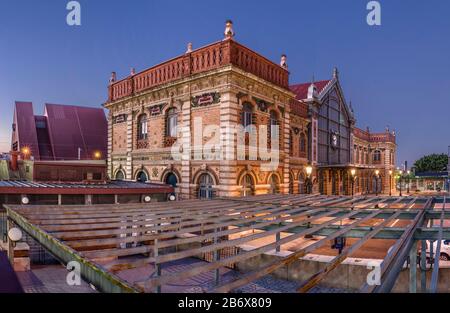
x: 26, y: 152
x: 97, y: 155
x: 400, y: 172
x: 353, y: 172
x: 377, y: 174
x: 390, y: 183
x: 308, y: 175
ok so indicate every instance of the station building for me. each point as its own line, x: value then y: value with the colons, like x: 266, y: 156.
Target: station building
x: 155, y: 116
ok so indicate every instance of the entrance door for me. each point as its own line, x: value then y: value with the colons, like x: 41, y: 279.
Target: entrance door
x: 205, y: 187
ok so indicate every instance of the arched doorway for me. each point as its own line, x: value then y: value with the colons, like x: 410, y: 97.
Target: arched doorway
x: 120, y: 175
x: 171, y: 179
x: 301, y: 183
x: 333, y: 183
x: 205, y: 182
x: 291, y: 183
x: 274, y: 183
x: 141, y: 177
x: 248, y: 186
x: 376, y: 184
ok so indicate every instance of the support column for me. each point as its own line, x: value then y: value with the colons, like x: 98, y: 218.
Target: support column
x: 413, y: 268
x: 129, y: 162
x: 186, y: 144
x: 423, y: 264
x: 286, y: 149
x: 10, y: 243
x: 109, y: 147
x: 229, y: 119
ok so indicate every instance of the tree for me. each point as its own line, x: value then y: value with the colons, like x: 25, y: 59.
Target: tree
x: 432, y: 163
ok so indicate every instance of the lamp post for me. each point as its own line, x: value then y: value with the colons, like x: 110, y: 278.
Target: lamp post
x: 407, y: 181
x: 390, y: 183
x: 353, y: 172
x: 377, y: 174
x: 308, y: 176
x: 400, y: 172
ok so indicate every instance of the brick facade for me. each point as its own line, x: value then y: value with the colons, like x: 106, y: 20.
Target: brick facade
x: 214, y: 84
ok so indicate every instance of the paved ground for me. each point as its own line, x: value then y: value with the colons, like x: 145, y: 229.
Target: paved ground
x: 205, y: 281
x: 50, y: 279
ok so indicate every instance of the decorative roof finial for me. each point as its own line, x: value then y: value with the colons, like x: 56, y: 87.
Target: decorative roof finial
x: 229, y: 32
x: 189, y: 47
x: 335, y: 73
x: 312, y: 91
x: 351, y: 107
x: 112, y: 79
x: 283, y: 62
x: 132, y: 71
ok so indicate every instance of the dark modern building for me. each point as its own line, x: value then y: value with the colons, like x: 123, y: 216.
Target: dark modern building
x: 63, y: 132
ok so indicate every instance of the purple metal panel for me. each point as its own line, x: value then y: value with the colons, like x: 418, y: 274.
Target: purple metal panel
x: 72, y: 127
x: 26, y: 127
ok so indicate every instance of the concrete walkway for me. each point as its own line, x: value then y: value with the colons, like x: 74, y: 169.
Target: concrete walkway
x: 50, y: 279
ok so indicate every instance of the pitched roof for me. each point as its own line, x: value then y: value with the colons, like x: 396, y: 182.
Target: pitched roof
x: 301, y: 90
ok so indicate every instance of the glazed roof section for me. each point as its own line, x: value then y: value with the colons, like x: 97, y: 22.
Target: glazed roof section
x: 213, y: 56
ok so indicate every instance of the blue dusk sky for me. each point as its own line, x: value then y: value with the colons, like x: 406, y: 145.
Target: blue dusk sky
x: 396, y: 74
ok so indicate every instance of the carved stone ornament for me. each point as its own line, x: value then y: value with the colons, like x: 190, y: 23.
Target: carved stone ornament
x: 205, y: 99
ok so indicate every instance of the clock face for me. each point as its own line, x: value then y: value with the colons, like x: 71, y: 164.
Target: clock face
x: 334, y: 140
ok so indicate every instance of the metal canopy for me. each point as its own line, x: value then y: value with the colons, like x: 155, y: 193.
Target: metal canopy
x: 157, y: 231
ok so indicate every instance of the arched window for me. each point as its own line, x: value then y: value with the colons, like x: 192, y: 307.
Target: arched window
x: 248, y: 186
x: 274, y: 184
x: 120, y: 175
x: 142, y: 127
x: 171, y: 122
x: 377, y: 156
x: 302, y: 144
x: 247, y: 112
x: 205, y: 182
x: 171, y: 179
x: 141, y: 177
